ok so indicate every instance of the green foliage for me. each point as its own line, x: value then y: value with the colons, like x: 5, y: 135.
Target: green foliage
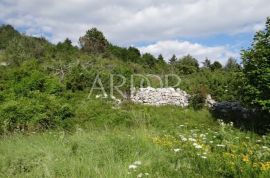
x: 207, y: 63
x: 65, y: 46
x: 222, y: 85
x: 198, y: 97
x: 160, y: 59
x: 149, y: 60
x: 38, y: 112
x: 232, y: 65
x: 256, y: 63
x: 30, y: 77
x: 7, y: 33
x: 216, y: 66
x: 173, y: 59
x: 78, y: 78
x: 130, y: 54
x: 82, y: 76
x: 133, y: 54
x: 187, y: 65
x: 31, y: 100
x: 65, y: 51
x: 15, y: 52
x: 94, y: 42
x: 23, y: 48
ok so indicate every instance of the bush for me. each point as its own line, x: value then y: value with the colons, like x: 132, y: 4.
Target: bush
x: 38, y: 112
x: 31, y: 100
x: 197, y: 100
x: 28, y: 78
x: 222, y: 85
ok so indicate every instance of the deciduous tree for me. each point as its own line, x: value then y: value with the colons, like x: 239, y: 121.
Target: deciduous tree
x: 93, y: 42
x: 256, y: 63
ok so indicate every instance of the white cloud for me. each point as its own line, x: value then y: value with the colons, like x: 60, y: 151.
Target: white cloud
x: 127, y: 21
x: 182, y: 48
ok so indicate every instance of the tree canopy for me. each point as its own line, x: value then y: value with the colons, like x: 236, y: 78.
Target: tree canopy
x: 187, y: 65
x: 256, y: 63
x: 216, y: 66
x: 232, y: 64
x: 173, y: 59
x: 94, y: 42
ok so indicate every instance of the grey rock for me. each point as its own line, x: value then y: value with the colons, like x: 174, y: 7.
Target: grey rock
x: 160, y: 96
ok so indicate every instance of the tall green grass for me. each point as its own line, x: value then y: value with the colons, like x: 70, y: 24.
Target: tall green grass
x: 108, y: 141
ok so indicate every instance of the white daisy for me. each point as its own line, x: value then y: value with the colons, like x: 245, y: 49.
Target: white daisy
x: 137, y: 163
x: 132, y: 166
x: 192, y: 139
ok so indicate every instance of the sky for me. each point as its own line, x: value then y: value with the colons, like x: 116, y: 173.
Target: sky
x: 217, y: 29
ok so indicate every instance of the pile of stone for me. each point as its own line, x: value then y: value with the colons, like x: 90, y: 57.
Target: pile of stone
x: 160, y: 96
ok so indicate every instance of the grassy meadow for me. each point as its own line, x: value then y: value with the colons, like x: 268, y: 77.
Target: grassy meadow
x: 128, y: 140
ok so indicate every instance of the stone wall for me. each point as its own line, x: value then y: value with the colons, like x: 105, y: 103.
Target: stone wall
x: 160, y: 96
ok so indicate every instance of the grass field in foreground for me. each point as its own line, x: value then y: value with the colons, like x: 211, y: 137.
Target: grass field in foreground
x: 137, y: 141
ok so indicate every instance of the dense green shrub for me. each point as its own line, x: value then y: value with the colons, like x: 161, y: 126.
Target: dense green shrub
x: 222, y: 85
x: 30, y: 99
x: 38, y: 112
x: 24, y: 80
x: 197, y: 100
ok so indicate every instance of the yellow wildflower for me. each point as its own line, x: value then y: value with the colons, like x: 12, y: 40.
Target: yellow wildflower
x: 265, y: 166
x: 167, y: 140
x: 245, y: 158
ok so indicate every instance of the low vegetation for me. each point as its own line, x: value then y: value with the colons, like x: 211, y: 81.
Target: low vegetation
x: 136, y: 141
